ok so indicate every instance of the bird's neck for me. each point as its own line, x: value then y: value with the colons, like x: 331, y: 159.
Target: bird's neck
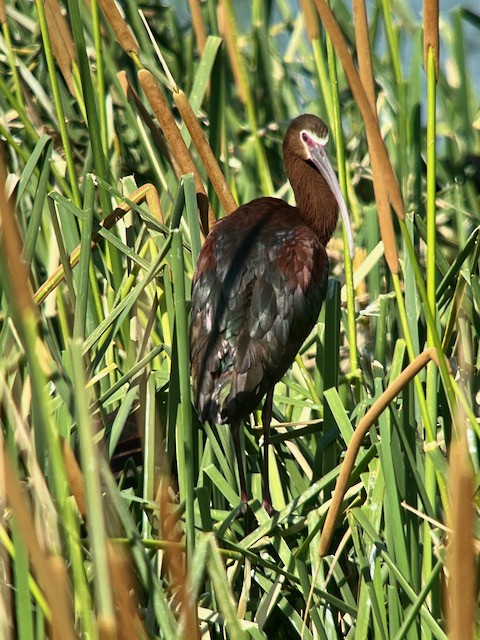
x: 315, y: 202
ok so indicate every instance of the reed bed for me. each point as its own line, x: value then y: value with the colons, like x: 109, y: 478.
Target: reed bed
x: 124, y: 136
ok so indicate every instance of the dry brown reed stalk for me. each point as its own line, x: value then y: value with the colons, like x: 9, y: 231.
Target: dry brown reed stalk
x: 361, y: 430
x: 125, y: 37
x: 61, y: 41
x: 58, y: 570
x: 227, y: 29
x: 74, y: 478
x: 131, y: 94
x: 51, y: 577
x: 175, y: 563
x: 44, y: 507
x: 430, y: 32
x: 12, y: 249
x: 461, y: 589
x: 377, y: 145
x: 461, y: 565
x: 107, y: 628
x: 3, y: 12
x: 147, y: 192
x: 176, y: 143
x: 311, y: 22
x: 198, y: 24
x: 366, y: 76
x: 128, y: 623
x: 205, y: 152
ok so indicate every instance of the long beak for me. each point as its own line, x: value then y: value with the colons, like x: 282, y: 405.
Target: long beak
x: 318, y: 155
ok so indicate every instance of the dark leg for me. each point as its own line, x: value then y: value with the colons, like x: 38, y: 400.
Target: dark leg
x: 241, y: 472
x: 266, y: 420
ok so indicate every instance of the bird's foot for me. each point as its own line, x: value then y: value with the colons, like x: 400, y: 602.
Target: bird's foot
x: 267, y: 505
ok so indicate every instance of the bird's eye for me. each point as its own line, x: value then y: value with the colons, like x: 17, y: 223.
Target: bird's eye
x: 304, y: 136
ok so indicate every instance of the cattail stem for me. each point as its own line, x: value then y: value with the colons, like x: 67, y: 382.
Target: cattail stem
x: 377, y: 145
x: 51, y: 581
x: 198, y: 24
x: 353, y: 448
x: 205, y: 152
x: 460, y: 551
x: 174, y: 138
x: 120, y: 27
x: 381, y: 195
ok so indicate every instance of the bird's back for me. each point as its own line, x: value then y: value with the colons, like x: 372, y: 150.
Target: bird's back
x: 258, y: 288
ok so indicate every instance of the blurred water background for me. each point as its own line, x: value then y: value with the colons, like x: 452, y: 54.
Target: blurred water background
x: 406, y: 13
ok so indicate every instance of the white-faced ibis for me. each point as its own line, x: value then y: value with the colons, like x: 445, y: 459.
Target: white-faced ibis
x: 259, y: 284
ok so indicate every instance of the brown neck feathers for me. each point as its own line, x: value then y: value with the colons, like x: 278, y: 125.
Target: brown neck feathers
x: 315, y: 202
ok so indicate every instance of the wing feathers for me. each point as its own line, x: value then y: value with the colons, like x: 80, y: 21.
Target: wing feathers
x: 257, y: 291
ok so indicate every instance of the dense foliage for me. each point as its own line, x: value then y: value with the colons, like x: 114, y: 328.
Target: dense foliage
x: 140, y: 538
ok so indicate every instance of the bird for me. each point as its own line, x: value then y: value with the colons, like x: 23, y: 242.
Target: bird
x: 258, y: 287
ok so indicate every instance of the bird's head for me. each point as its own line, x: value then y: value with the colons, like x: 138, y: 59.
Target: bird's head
x: 306, y: 140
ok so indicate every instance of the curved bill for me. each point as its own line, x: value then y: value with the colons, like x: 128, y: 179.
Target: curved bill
x: 316, y: 148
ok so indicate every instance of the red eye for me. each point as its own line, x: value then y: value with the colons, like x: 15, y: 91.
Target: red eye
x: 304, y: 136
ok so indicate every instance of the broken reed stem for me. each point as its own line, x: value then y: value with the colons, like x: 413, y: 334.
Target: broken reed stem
x: 353, y: 448
x: 51, y: 578
x: 198, y: 24
x: 366, y: 76
x: 377, y: 145
x: 205, y: 152
x: 124, y: 36
x: 175, y: 141
x: 147, y: 191
x: 430, y: 33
